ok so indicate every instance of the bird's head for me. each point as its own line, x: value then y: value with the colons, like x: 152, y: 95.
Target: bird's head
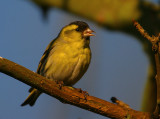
x: 77, y: 30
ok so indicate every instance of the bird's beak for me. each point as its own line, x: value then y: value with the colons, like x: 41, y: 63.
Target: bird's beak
x: 88, y: 32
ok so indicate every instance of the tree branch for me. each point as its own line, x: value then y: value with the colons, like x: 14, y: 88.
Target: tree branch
x: 67, y: 94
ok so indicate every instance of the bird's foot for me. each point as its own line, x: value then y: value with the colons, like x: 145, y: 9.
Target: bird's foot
x: 60, y: 83
x: 83, y: 92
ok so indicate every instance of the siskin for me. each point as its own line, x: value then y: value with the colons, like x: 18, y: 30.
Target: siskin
x: 66, y: 58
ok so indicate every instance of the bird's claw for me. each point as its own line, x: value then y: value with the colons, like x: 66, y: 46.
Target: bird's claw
x: 83, y: 92
x: 60, y: 83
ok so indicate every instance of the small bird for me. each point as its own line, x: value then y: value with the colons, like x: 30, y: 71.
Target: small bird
x: 66, y: 58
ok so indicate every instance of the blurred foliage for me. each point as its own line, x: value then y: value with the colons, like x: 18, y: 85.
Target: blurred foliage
x: 113, y: 13
x: 118, y: 15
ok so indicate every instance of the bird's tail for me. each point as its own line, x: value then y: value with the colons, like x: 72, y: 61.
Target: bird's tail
x: 31, y: 99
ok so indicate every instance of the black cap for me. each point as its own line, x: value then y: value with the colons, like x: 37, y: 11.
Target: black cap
x: 81, y: 25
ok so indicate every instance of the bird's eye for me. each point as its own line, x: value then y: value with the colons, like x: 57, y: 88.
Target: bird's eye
x: 77, y: 29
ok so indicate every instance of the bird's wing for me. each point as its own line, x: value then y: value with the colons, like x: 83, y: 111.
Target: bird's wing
x: 45, y: 56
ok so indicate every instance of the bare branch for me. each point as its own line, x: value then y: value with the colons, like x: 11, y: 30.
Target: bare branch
x: 142, y: 31
x: 153, y: 39
x: 68, y: 95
